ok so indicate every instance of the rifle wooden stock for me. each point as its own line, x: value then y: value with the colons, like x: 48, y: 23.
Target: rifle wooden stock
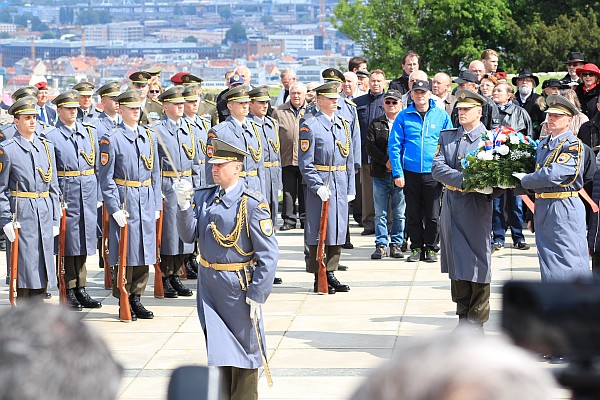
x: 107, y: 271
x: 159, y: 290
x: 322, y: 286
x: 14, y: 269
x: 62, y: 236
x: 124, y: 310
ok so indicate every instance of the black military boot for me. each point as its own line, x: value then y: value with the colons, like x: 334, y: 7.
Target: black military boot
x: 179, y: 287
x: 85, y: 300
x: 133, y: 316
x: 330, y: 288
x: 138, y: 308
x: 72, y: 301
x: 170, y: 293
x: 189, y: 269
x: 337, y: 285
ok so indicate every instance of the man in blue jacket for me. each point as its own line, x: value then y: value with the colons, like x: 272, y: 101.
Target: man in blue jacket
x: 412, y: 145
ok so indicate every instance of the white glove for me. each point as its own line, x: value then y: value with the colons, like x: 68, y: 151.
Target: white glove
x: 121, y: 218
x: 156, y: 214
x: 9, y: 231
x: 324, y: 193
x: 99, y: 204
x: 518, y: 175
x: 254, y: 308
x: 279, y: 193
x: 351, y: 197
x: 184, y: 190
x: 55, y: 231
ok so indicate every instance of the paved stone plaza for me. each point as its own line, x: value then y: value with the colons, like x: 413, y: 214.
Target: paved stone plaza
x: 319, y: 347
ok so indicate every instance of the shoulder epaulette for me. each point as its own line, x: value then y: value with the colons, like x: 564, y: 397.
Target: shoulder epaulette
x: 156, y: 101
x: 449, y: 130
x: 6, y: 142
x: 87, y: 123
x: 212, y: 103
x: 258, y: 196
x: 350, y: 102
x: 272, y: 119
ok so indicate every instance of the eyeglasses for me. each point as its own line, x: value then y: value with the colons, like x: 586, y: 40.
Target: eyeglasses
x: 391, y: 102
x: 154, y: 91
x: 584, y: 74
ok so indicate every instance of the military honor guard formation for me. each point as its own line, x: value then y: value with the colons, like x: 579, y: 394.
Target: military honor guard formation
x: 168, y: 179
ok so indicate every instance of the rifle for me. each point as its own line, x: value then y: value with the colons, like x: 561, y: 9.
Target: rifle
x: 107, y: 271
x: 124, y: 307
x: 159, y: 290
x: 322, y: 285
x: 62, y: 234
x: 14, y: 256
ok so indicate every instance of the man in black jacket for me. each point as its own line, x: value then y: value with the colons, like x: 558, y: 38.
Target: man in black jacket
x: 526, y: 82
x: 384, y: 189
x: 410, y: 63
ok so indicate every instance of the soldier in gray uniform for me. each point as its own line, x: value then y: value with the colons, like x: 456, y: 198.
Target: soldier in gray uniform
x: 236, y: 129
x: 238, y: 266
x: 326, y: 151
x: 152, y: 109
x: 28, y: 172
x: 129, y: 158
x: 206, y: 108
x: 466, y: 218
x: 559, y: 212
x: 86, y: 111
x: 176, y: 138
x: 8, y: 131
x: 76, y: 150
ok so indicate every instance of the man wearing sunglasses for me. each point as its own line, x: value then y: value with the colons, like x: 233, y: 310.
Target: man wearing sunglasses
x: 152, y: 109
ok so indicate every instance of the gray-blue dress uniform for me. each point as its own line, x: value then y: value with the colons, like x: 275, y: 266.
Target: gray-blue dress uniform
x: 559, y: 216
x: 76, y: 161
x: 320, y: 138
x: 243, y: 137
x: 90, y: 118
x: 270, y: 173
x: 200, y: 127
x: 30, y: 165
x: 182, y: 147
x: 9, y: 130
x: 222, y: 309
x: 131, y: 155
x: 105, y: 125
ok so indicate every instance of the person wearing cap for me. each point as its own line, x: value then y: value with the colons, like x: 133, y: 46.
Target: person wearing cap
x: 491, y: 115
x: 551, y: 86
x: 8, y: 131
x: 559, y: 214
x: 76, y: 149
x: 575, y: 59
x: 86, y: 112
x: 129, y: 165
x: 410, y: 63
x: 222, y: 110
x: 385, y: 193
x: 326, y: 158
x: 109, y: 118
x: 177, y: 144
x: 154, y: 71
x: 363, y: 81
x: 206, y: 108
x: 412, y: 143
x: 526, y: 82
x: 46, y: 114
x: 152, y: 109
x: 28, y: 173
x: 588, y: 91
x: 466, y: 218
x: 238, y: 266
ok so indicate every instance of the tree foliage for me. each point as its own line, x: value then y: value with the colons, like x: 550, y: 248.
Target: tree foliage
x: 93, y: 17
x: 235, y: 34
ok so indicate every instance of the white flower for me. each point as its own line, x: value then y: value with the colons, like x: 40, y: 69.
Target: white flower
x: 501, y: 138
x: 503, y: 149
x: 488, y: 155
x: 513, y: 139
x: 481, y: 144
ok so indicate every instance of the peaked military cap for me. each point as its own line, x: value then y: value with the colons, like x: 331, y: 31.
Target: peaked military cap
x: 154, y: 71
x: 129, y: 99
x: 238, y: 94
x: 189, y: 79
x: 172, y: 95
x: 260, y: 93
x: 469, y: 99
x: 222, y: 152
x: 332, y: 74
x: 421, y: 85
x: 111, y: 89
x: 329, y: 90
x: 140, y: 78
x: 363, y: 74
x: 68, y: 99
x: 24, y: 92
x: 190, y: 93
x: 24, y: 106
x: 558, y: 104
x: 84, y: 88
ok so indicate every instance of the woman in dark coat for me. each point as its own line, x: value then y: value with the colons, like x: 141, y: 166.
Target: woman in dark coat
x: 589, y: 90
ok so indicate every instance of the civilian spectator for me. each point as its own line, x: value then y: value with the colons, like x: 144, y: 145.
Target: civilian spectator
x: 350, y: 88
x: 385, y: 193
x: 491, y: 116
x: 288, y: 78
x: 526, y: 82
x: 363, y: 80
x: 356, y: 64
x: 575, y: 60
x: 410, y: 63
x: 311, y: 95
x: 478, y: 68
x: 154, y: 88
x: 234, y: 80
x: 489, y: 58
x: 441, y: 88
x: 487, y: 85
x: 551, y: 86
x: 589, y: 89
x: 589, y: 133
x: 46, y: 114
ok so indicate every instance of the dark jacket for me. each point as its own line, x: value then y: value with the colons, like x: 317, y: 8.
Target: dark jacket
x: 588, y: 100
x: 400, y: 83
x: 368, y: 107
x: 377, y: 145
x: 490, y: 115
x: 517, y: 118
x: 594, y: 218
x: 535, y: 112
x: 567, y: 79
x: 589, y: 133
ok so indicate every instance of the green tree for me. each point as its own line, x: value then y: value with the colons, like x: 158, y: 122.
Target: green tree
x: 190, y: 39
x: 93, y: 17
x: 235, y: 34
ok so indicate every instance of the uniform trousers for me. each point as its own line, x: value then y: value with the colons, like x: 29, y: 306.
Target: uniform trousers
x: 332, y: 258
x: 472, y: 300
x: 368, y: 208
x: 31, y: 295
x: 136, y: 278
x: 239, y: 383
x: 292, y: 191
x: 422, y: 194
x: 172, y: 265
x: 75, y: 271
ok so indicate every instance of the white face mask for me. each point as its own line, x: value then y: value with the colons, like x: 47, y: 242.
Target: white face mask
x: 524, y: 90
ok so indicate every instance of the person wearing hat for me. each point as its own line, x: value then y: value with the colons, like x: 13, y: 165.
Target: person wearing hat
x: 238, y: 267
x: 222, y: 110
x: 384, y: 190
x: 129, y: 165
x: 589, y: 89
x: 575, y: 59
x: 28, y: 172
x: 412, y: 144
x: 154, y: 71
x: 559, y: 214
x: 363, y: 80
x: 526, y: 82
x: 491, y: 115
x: 466, y: 218
x: 46, y: 114
x: 76, y: 149
x: 8, y: 131
x: 326, y: 158
x: 178, y: 141
x: 206, y: 108
x: 109, y: 118
x: 86, y: 112
x: 152, y: 109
